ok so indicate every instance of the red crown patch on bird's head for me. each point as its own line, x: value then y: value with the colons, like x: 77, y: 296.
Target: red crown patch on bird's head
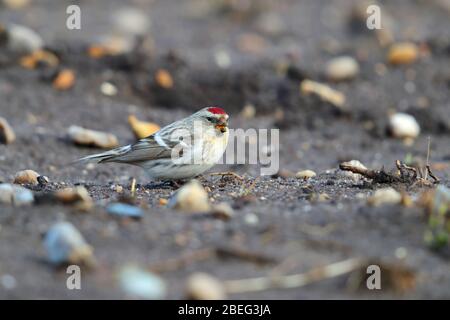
x: 216, y: 110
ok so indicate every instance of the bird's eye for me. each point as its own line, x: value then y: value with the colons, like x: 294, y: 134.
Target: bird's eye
x: 210, y: 119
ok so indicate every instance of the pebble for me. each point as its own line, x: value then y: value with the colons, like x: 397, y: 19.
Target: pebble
x: 22, y: 39
x: 43, y: 180
x: 64, y: 80
x: 125, y: 210
x: 142, y: 284
x: 191, y: 197
x: 95, y: 138
x: 403, y: 126
x: 223, y: 210
x: 16, y: 4
x: 305, y: 174
x: 142, y: 129
x: 357, y: 164
x: 342, y: 68
x: 403, y: 53
x: 132, y: 21
x: 26, y: 177
x: 7, y: 134
x: 164, y: 79
x: 8, y: 282
x: 202, y: 286
x: 323, y: 91
x: 78, y: 196
x: 108, y: 89
x: 384, y: 196
x: 251, y: 219
x: 248, y: 112
x: 222, y: 59
x: 15, y: 195
x: 284, y: 173
x: 65, y: 244
x: 39, y: 58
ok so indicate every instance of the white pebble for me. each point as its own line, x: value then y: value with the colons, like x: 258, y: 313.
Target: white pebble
x: 22, y: 39
x: 384, y: 196
x: 191, y: 197
x: 404, y: 126
x: 341, y: 68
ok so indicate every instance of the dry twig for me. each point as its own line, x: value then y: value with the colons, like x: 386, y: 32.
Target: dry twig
x: 295, y: 280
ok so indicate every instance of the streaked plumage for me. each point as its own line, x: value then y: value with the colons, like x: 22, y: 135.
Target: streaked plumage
x: 199, y: 141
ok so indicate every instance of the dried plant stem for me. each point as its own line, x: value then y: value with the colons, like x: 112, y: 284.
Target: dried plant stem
x: 295, y: 280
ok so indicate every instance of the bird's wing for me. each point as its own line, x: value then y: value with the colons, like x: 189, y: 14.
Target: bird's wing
x: 157, y: 146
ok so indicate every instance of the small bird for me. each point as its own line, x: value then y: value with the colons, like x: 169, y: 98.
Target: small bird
x: 181, y: 150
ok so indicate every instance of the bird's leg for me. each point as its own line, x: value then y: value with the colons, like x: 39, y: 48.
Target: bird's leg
x: 228, y: 173
x: 176, y: 184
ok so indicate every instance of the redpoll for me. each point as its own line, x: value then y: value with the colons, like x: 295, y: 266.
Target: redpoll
x: 180, y: 150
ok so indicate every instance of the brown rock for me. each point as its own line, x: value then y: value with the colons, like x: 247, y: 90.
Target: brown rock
x: 26, y: 177
x: 7, y: 134
x: 403, y: 53
x: 94, y: 138
x: 142, y: 129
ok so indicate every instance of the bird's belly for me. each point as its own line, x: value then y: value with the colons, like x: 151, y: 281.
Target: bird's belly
x: 171, y: 171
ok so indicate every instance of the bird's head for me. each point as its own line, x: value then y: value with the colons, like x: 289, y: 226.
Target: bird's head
x: 214, y: 116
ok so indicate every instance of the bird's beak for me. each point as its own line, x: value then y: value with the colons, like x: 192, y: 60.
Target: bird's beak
x: 222, y: 124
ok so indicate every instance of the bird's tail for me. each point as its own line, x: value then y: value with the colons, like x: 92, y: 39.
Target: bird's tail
x: 108, y: 156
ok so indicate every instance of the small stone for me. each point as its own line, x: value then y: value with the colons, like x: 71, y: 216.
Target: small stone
x: 77, y: 196
x: 64, y: 80
x: 403, y: 53
x: 26, y: 177
x: 125, y: 210
x: 305, y: 174
x: 15, y: 195
x: 118, y: 188
x: 324, y: 92
x: 384, y: 196
x: 8, y: 282
x: 164, y: 79
x: 222, y: 210
x: 108, y: 89
x: 403, y: 126
x: 132, y: 21
x: 222, y: 59
x: 65, y: 244
x: 251, y: 219
x: 141, y: 284
x: 142, y: 129
x: 342, y: 68
x: 190, y: 198
x: 16, y: 4
x: 94, y: 138
x: 202, y: 286
x: 22, y: 39
x: 248, y: 112
x: 7, y: 134
x: 39, y: 58
x: 284, y: 173
x: 162, y: 201
x: 43, y: 180
x: 356, y: 164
